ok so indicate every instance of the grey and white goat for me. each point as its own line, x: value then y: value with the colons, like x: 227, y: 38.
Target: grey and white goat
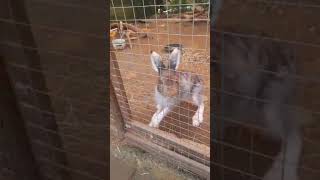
x: 175, y: 86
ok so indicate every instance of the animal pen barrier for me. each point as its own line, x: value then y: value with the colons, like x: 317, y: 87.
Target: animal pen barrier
x: 51, y: 52
x: 271, y: 35
x: 152, y: 28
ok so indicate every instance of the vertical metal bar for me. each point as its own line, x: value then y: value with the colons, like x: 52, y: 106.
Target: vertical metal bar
x: 19, y: 14
x: 217, y: 155
x: 216, y: 6
x: 217, y: 111
x: 221, y: 123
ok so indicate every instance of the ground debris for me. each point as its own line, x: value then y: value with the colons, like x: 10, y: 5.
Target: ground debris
x: 192, y: 57
x: 145, y: 166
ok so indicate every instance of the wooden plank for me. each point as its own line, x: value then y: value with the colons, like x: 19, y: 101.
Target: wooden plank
x: 193, y: 146
x: 175, y: 20
x: 166, y: 155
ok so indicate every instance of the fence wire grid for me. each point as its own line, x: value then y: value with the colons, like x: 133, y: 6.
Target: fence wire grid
x: 65, y: 127
x: 60, y: 91
x: 264, y: 55
x: 153, y: 26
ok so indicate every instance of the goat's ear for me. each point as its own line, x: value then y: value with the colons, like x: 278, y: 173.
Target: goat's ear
x: 156, y: 61
x: 174, y: 59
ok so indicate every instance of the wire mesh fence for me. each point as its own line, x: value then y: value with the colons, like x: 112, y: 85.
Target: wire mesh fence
x: 266, y: 112
x: 66, y: 116
x: 169, y: 104
x: 52, y: 72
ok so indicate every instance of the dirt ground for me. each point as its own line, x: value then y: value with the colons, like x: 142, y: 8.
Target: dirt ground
x: 139, y: 78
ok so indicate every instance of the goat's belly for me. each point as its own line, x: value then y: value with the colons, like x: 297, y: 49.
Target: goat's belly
x: 163, y: 100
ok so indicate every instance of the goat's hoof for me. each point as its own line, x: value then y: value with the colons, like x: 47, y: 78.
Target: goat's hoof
x: 153, y: 125
x: 197, y: 120
x: 195, y: 123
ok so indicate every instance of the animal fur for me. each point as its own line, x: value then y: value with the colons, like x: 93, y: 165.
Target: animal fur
x: 259, y: 69
x: 173, y: 87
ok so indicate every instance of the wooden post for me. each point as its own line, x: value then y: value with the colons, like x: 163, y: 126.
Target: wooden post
x: 118, y: 86
x: 116, y: 121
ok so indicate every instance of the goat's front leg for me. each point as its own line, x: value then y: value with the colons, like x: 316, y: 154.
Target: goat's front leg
x: 158, y: 116
x: 198, y: 116
x: 287, y: 168
x: 293, y: 153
